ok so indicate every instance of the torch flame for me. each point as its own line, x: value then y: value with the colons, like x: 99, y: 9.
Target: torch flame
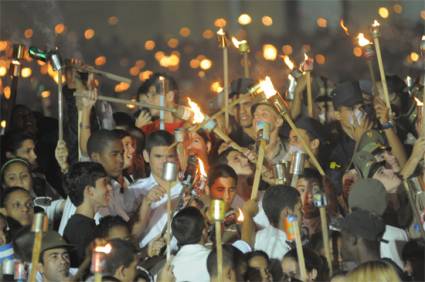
x: 363, y: 41
x: 103, y: 249
x: 376, y: 23
x: 305, y: 57
x: 241, y: 217
x: 423, y: 38
x: 221, y: 32
x: 202, y: 168
x: 288, y: 62
x: 418, y: 102
x: 342, y: 24
x: 198, y: 116
x: 267, y: 87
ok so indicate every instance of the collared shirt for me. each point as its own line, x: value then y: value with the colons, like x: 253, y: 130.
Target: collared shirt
x: 190, y: 263
x: 158, y: 215
x: 272, y: 241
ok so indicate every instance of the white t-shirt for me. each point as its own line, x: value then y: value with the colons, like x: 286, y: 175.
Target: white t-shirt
x: 190, y: 264
x: 272, y: 241
x: 260, y: 219
x: 396, y: 238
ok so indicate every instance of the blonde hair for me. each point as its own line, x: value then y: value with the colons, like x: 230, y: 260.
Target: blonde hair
x: 377, y: 271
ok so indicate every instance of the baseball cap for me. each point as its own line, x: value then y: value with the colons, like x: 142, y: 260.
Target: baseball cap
x: 370, y: 195
x: 371, y: 141
x: 366, y: 163
x: 347, y: 94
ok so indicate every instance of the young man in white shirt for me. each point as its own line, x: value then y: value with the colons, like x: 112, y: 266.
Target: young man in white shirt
x: 279, y: 202
x: 152, y: 215
x: 190, y: 262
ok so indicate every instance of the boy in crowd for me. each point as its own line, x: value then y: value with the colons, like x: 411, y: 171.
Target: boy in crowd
x: 121, y: 262
x: 229, y: 265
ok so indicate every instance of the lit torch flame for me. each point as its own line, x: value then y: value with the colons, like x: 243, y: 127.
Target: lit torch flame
x: 305, y: 57
x: 103, y: 249
x: 363, y: 41
x: 241, y: 217
x: 418, y: 102
x: 376, y: 23
x: 267, y: 87
x: 236, y: 42
x: 221, y: 32
x: 198, y: 116
x: 342, y: 24
x: 202, y: 170
x: 288, y: 62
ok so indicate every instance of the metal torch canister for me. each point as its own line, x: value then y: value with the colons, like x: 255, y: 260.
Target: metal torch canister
x: 56, y: 61
x: 320, y: 200
x: 289, y: 225
x: 217, y: 210
x: 40, y: 223
x: 8, y: 267
x: 20, y: 273
x: 369, y: 52
x: 179, y: 134
x: 263, y: 131
x: 297, y: 163
x: 170, y: 171
x: 280, y: 172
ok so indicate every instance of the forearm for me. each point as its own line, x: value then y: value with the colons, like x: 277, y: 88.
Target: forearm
x: 297, y: 103
x: 396, y: 146
x: 142, y: 221
x: 248, y: 231
x: 85, y: 131
x: 410, y: 166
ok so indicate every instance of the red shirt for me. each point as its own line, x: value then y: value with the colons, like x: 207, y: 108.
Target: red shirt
x: 169, y: 126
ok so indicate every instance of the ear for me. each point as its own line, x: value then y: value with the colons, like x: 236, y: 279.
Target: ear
x: 337, y: 115
x: 315, y: 143
x: 3, y: 211
x: 40, y: 268
x: 146, y: 156
x: 208, y: 147
x: 87, y: 191
x: 9, y: 155
x: 95, y: 157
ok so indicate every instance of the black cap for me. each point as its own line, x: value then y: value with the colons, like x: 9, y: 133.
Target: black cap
x: 347, y: 94
x: 240, y: 86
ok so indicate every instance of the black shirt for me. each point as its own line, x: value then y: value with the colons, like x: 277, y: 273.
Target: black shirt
x: 79, y: 232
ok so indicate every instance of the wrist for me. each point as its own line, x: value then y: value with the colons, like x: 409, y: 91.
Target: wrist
x: 387, y: 125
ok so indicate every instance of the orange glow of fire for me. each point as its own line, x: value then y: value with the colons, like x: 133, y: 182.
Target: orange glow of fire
x: 241, y: 217
x: 202, y: 168
x: 266, y: 86
x: 288, y: 62
x: 418, y: 102
x: 198, y: 116
x: 103, y: 249
x: 363, y: 41
x: 342, y: 24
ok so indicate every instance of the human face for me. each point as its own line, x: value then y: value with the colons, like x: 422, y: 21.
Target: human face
x: 158, y: 156
x: 111, y: 158
x: 24, y: 120
x: 118, y: 232
x: 244, y: 113
x: 388, y: 178
x: 27, y: 152
x: 306, y: 190
x: 224, y: 188
x: 101, y: 193
x: 197, y: 146
x: 129, y: 273
x: 18, y: 175
x: 389, y: 159
x: 20, y: 207
x: 239, y: 163
x: 290, y: 267
x: 295, y: 140
x: 347, y: 115
x: 129, y: 150
x: 261, y: 264
x: 266, y: 114
x: 56, y: 263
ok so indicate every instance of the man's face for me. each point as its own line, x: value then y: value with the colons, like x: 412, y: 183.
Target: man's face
x: 244, y: 114
x: 261, y: 264
x: 129, y: 272
x: 20, y: 207
x: 306, y: 192
x: 27, y: 152
x: 295, y: 140
x: 56, y: 263
x: 265, y: 113
x: 112, y: 158
x: 101, y: 194
x: 388, y: 178
x: 223, y: 188
x: 158, y: 156
x: 153, y: 98
x: 389, y: 159
x: 239, y: 163
x: 24, y: 120
x: 18, y: 175
x: 351, y: 116
x: 197, y: 146
x: 129, y: 150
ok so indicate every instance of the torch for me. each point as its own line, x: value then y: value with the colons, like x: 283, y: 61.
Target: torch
x: 169, y: 174
x: 320, y: 201
x: 297, y: 166
x: 98, y: 258
x: 273, y: 97
x: 243, y: 48
x: 179, y: 136
x: 39, y: 225
x: 263, y: 136
x: 415, y: 211
x: 292, y: 76
x: 163, y: 89
x: 20, y: 273
x: 111, y: 76
x: 422, y: 46
x: 217, y: 214
x: 223, y: 42
x: 368, y: 54
x: 307, y: 68
x: 292, y: 230
x: 376, y: 33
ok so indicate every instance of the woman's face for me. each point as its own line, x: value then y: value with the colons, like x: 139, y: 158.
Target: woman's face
x: 17, y: 174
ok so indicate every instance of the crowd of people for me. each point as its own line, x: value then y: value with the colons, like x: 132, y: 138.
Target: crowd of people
x: 104, y: 185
